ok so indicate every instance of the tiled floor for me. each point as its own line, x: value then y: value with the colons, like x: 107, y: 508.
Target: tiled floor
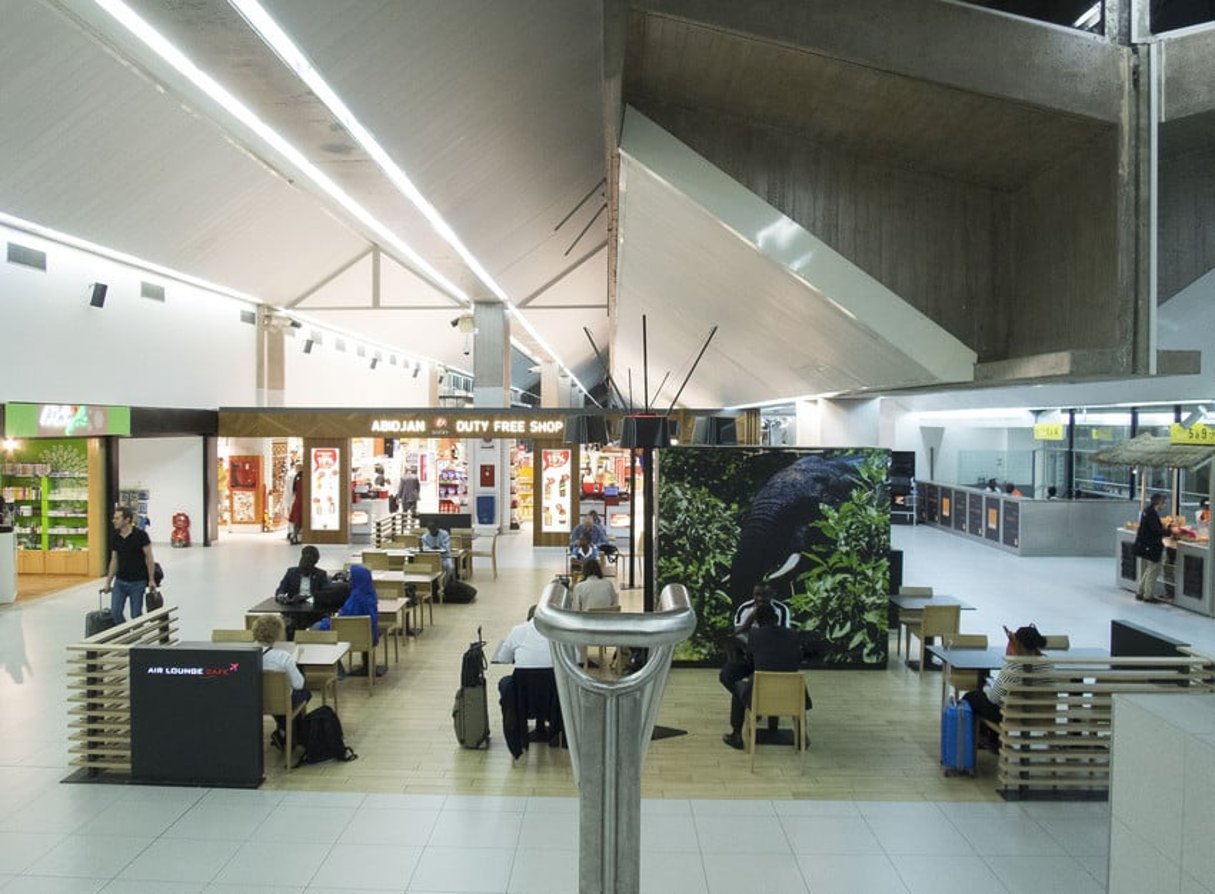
x: 350, y: 836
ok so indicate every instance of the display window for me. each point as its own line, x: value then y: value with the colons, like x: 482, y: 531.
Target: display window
x: 556, y: 491
x: 325, y: 469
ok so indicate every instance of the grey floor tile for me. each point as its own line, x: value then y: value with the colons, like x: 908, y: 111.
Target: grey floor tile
x: 830, y: 835
x: 741, y: 834
x: 20, y: 849
x: 179, y: 860
x: 1044, y: 875
x: 956, y: 875
x: 552, y: 831
x: 370, y: 867
x: 544, y: 872
x: 450, y: 869
x: 286, y: 863
x: 390, y: 826
x: 665, y: 873
x: 850, y: 874
x: 90, y: 856
x: 770, y: 873
x: 472, y: 830
x: 45, y: 884
x: 1012, y: 836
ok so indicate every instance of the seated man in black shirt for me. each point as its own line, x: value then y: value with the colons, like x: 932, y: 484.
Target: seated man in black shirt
x: 305, y: 580
x: 738, y: 664
x: 773, y: 648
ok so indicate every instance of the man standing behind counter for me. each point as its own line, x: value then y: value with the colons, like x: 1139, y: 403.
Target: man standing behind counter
x: 132, y: 568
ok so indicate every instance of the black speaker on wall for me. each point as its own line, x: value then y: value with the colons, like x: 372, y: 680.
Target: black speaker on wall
x: 717, y: 430
x: 98, y: 297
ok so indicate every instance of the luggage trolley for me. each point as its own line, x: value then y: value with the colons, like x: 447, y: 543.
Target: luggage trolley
x: 608, y: 724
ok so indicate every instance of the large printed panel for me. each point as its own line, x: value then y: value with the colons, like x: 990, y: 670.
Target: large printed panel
x: 814, y: 524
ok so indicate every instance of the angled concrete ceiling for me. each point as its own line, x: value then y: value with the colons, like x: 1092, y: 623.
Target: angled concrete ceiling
x: 931, y: 126
x: 794, y: 316
x: 492, y: 110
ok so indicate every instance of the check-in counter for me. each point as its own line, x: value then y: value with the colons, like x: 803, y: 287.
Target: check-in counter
x: 1021, y: 525
x: 1186, y: 576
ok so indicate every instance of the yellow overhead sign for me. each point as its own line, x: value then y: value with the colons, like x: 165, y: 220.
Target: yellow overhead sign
x: 1203, y: 435
x: 1048, y: 431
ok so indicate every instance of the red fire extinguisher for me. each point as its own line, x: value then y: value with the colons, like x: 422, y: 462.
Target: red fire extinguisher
x: 181, y: 530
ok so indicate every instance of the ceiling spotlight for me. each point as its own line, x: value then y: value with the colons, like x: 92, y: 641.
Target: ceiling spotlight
x: 417, y: 368
x: 308, y: 346
x: 97, y: 298
x: 375, y: 361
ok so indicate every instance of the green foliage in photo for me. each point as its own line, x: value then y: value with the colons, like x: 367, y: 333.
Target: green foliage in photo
x: 704, y: 495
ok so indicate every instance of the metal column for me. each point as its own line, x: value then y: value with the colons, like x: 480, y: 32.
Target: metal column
x: 608, y: 724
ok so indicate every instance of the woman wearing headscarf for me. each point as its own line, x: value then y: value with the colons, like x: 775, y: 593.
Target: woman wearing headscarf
x: 361, y: 601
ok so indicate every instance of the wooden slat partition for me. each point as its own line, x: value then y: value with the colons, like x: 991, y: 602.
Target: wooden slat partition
x: 99, y: 690
x: 1058, y: 721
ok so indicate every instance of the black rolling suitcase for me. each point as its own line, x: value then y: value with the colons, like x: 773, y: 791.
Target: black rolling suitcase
x: 97, y: 621
x: 471, y: 712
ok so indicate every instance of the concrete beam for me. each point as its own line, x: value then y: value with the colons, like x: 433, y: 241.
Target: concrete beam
x: 1188, y: 73
x: 956, y: 44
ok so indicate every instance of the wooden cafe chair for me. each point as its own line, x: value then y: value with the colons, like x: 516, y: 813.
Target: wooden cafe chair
x: 276, y: 699
x: 936, y: 620
x: 909, y: 618
x: 223, y: 635
x: 320, y: 679
x: 491, y: 554
x: 356, y: 630
x: 777, y: 694
x: 965, y: 680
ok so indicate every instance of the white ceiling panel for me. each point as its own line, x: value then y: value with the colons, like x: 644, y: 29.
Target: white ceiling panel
x: 98, y: 152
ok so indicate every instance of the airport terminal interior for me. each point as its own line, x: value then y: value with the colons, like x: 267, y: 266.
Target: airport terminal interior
x: 974, y: 234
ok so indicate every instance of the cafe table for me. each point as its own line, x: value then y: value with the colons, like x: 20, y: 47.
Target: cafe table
x: 296, y: 612
x: 319, y: 657
x: 983, y: 661
x: 393, y: 584
x: 395, y: 609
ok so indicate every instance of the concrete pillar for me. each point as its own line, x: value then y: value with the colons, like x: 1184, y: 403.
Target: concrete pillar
x: 849, y: 423
x: 809, y: 422
x: 489, y: 461
x: 271, y: 350
x: 550, y: 385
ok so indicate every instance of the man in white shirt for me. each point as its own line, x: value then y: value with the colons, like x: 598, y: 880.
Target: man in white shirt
x: 524, y: 646
x: 438, y: 540
x: 531, y: 691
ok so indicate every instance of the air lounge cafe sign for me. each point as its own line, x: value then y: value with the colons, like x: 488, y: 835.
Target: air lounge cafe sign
x: 488, y: 426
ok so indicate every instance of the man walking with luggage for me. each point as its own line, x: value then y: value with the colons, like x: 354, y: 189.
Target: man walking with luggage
x: 132, y: 568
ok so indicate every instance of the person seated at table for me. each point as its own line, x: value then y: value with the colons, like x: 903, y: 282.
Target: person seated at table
x: 268, y: 630
x: 438, y: 540
x: 531, y: 691
x: 773, y: 648
x: 584, y: 550
x: 738, y: 664
x: 593, y: 591
x: 988, y: 702
x: 361, y: 601
x: 594, y: 530
x: 304, y: 580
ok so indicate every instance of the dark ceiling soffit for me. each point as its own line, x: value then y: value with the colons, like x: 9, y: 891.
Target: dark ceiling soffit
x: 164, y: 421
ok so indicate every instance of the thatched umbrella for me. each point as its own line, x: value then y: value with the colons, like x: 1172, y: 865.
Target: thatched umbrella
x: 1152, y: 452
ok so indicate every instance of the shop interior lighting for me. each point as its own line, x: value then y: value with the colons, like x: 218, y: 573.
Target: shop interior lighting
x: 295, y: 59
x: 10, y: 445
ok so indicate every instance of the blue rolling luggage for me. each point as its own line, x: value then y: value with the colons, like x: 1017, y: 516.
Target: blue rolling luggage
x: 958, y: 738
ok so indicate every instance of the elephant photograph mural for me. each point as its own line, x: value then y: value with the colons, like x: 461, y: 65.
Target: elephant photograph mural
x: 814, y: 525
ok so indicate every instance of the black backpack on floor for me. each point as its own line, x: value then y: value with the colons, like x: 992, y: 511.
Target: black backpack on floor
x: 459, y: 591
x: 323, y: 740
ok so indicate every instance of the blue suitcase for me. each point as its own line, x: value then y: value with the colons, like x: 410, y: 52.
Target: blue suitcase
x: 958, y: 738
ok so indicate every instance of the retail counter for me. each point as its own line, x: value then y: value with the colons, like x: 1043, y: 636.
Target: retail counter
x: 1021, y: 525
x: 8, y: 566
x: 1186, y: 579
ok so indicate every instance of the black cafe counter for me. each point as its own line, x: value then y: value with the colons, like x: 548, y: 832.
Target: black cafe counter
x: 1021, y: 525
x: 1186, y: 576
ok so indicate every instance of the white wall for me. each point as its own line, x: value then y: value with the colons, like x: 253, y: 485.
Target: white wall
x: 849, y: 423
x: 171, y: 469
x: 327, y: 377
x: 192, y: 350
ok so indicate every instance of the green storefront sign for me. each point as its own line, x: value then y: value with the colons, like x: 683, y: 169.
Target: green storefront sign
x: 65, y: 420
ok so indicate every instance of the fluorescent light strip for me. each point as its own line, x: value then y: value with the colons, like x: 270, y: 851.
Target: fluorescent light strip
x: 161, y: 46
x: 295, y: 59
x: 112, y: 254
x: 279, y: 41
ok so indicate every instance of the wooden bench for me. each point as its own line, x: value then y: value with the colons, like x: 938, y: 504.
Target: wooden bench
x: 99, y: 691
x: 1057, y: 728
